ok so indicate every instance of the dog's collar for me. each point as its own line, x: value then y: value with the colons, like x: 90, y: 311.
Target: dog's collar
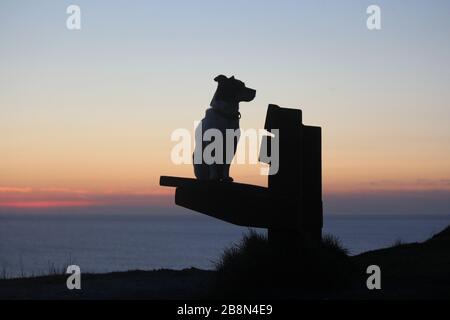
x: 222, y: 108
x: 230, y: 116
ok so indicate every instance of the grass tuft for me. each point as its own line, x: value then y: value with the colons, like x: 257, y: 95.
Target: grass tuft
x: 254, y: 268
x: 397, y: 243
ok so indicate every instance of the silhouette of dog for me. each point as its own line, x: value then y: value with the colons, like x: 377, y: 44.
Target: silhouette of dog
x: 223, y: 114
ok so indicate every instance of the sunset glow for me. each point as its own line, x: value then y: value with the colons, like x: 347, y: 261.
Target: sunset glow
x: 47, y: 204
x: 86, y: 117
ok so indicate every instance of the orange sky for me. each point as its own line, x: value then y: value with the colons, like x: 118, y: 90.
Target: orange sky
x: 86, y: 117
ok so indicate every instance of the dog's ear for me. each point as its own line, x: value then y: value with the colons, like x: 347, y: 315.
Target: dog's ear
x: 220, y: 78
x: 232, y: 78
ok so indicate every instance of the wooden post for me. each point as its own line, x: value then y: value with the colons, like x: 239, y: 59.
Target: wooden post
x: 299, y: 175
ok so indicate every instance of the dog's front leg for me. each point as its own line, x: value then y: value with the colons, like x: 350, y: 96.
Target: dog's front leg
x: 229, y: 153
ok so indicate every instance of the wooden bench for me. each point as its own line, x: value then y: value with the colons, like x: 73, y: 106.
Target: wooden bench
x: 290, y: 208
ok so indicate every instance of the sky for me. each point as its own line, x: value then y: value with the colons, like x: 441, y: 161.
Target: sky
x: 86, y: 115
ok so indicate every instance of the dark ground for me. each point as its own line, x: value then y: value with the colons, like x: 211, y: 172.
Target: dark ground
x: 157, y: 284
x: 409, y: 271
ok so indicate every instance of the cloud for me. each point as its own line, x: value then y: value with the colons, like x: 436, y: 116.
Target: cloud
x: 15, y: 190
x: 405, y: 185
x: 422, y: 202
x: 63, y: 190
x: 45, y: 204
x: 50, y: 197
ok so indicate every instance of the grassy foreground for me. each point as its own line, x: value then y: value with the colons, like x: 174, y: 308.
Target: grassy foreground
x: 251, y: 269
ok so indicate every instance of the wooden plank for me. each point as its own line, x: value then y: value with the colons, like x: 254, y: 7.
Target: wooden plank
x: 233, y: 203
x: 237, y: 203
x: 170, y: 181
x: 282, y: 118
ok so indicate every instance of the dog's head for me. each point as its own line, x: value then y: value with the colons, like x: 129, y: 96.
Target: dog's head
x: 232, y: 90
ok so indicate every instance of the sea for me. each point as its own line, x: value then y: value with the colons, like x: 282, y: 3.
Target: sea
x: 33, y: 244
